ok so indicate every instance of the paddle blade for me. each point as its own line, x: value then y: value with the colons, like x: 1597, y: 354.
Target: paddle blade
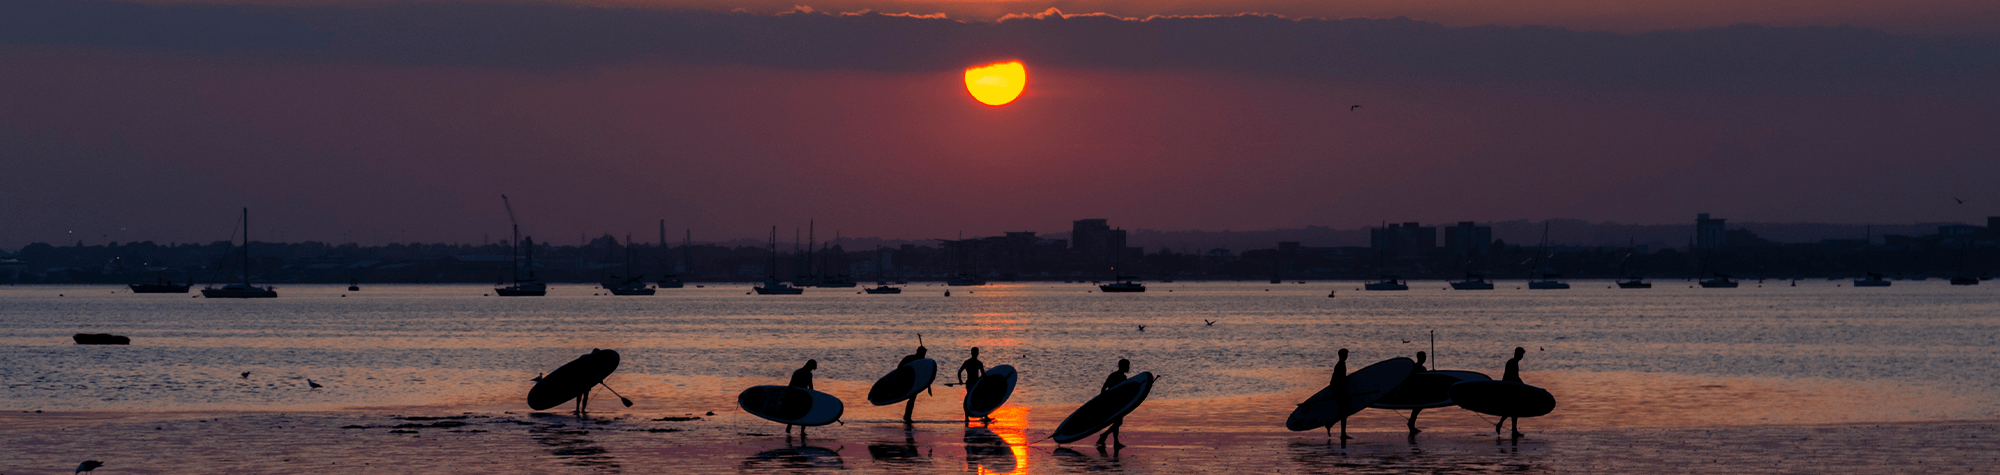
x: 628, y: 402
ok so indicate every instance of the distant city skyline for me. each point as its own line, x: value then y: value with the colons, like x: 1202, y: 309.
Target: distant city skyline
x: 336, y: 121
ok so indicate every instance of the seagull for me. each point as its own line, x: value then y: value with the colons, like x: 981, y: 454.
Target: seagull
x: 1209, y: 322
x: 246, y: 375
x: 310, y: 383
x: 1142, y: 328
x: 1353, y: 107
x: 1954, y: 198
x: 88, y: 465
x: 538, y: 378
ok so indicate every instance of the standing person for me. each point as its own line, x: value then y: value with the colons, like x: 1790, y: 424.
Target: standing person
x: 1513, y: 373
x: 1413, y: 412
x: 972, y: 368
x: 911, y: 406
x: 1116, y: 377
x: 1339, y: 385
x: 802, y: 378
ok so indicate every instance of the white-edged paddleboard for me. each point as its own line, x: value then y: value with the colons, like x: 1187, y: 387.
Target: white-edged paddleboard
x: 903, y: 383
x: 1363, y: 388
x: 1104, y: 409
x: 1427, y: 390
x: 790, y: 405
x: 1503, y: 398
x: 986, y: 394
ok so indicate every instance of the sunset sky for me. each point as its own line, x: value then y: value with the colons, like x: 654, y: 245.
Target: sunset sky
x: 377, y: 121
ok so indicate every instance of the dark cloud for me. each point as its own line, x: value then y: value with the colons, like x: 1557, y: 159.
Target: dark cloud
x: 546, y: 36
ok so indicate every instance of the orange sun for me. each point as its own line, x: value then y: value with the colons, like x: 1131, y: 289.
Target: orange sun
x: 996, y: 84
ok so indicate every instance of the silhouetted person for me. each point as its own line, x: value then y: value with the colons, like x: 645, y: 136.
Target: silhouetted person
x: 911, y: 405
x: 1413, y: 412
x: 972, y: 369
x: 1513, y: 373
x: 1116, y: 377
x: 1339, y: 385
x: 802, y: 378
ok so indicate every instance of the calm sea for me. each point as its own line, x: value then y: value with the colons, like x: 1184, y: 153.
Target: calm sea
x: 1927, y: 343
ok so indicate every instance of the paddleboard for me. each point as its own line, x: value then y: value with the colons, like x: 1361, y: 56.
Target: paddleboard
x: 572, y: 379
x: 1427, y: 390
x: 984, y: 395
x: 1108, y: 406
x: 790, y: 405
x: 1363, y: 388
x: 903, y: 383
x: 1503, y: 398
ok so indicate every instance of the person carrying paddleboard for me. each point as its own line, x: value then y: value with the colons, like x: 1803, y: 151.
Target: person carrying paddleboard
x: 911, y: 406
x: 802, y: 378
x: 1116, y: 377
x: 1413, y: 412
x: 1512, y: 374
x: 972, y: 369
x: 1339, y: 385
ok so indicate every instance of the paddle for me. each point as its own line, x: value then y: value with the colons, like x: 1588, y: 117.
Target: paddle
x: 614, y: 392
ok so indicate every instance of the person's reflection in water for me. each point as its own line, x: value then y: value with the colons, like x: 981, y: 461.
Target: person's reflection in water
x: 1124, y: 366
x: 1419, y: 368
x: 911, y: 406
x: 802, y: 378
x: 893, y: 454
x: 571, y: 446
x: 1513, y: 373
x: 803, y: 457
x: 985, y: 449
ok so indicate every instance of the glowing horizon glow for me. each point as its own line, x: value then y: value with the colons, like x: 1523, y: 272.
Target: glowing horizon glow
x: 996, y: 84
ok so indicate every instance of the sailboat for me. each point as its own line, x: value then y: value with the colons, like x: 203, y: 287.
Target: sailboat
x: 1388, y: 282
x: 1547, y: 280
x: 835, y: 260
x: 673, y: 281
x: 354, y: 285
x: 881, y: 278
x: 1121, y: 283
x: 1632, y: 281
x: 771, y: 284
x: 1959, y: 276
x: 633, y: 284
x: 963, y: 279
x: 1472, y: 282
x: 1874, y: 280
x: 161, y: 285
x: 1720, y: 281
x: 243, y: 290
x: 523, y: 287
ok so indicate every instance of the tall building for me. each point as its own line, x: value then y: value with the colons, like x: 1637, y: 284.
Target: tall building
x: 1404, y: 239
x: 1708, y: 233
x: 1093, y: 240
x: 1468, y: 239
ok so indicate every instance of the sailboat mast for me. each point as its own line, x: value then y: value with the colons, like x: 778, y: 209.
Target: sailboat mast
x: 246, y: 246
x: 774, y: 253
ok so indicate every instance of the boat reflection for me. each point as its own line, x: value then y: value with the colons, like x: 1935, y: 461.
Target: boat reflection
x: 802, y: 457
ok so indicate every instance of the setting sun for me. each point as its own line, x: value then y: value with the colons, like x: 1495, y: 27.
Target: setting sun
x: 996, y: 84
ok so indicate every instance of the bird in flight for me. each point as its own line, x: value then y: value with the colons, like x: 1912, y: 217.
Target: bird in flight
x: 310, y: 383
x: 246, y: 375
x: 1142, y: 328
x: 1353, y: 107
x: 1209, y: 322
x: 1954, y: 198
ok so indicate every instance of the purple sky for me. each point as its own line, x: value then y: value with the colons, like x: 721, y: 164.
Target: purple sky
x: 406, y: 121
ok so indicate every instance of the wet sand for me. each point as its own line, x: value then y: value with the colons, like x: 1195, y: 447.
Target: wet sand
x: 668, y: 432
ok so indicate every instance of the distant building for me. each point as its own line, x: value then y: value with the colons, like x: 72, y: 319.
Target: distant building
x: 1404, y: 240
x: 1468, y: 239
x: 1093, y: 240
x: 1709, y: 233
